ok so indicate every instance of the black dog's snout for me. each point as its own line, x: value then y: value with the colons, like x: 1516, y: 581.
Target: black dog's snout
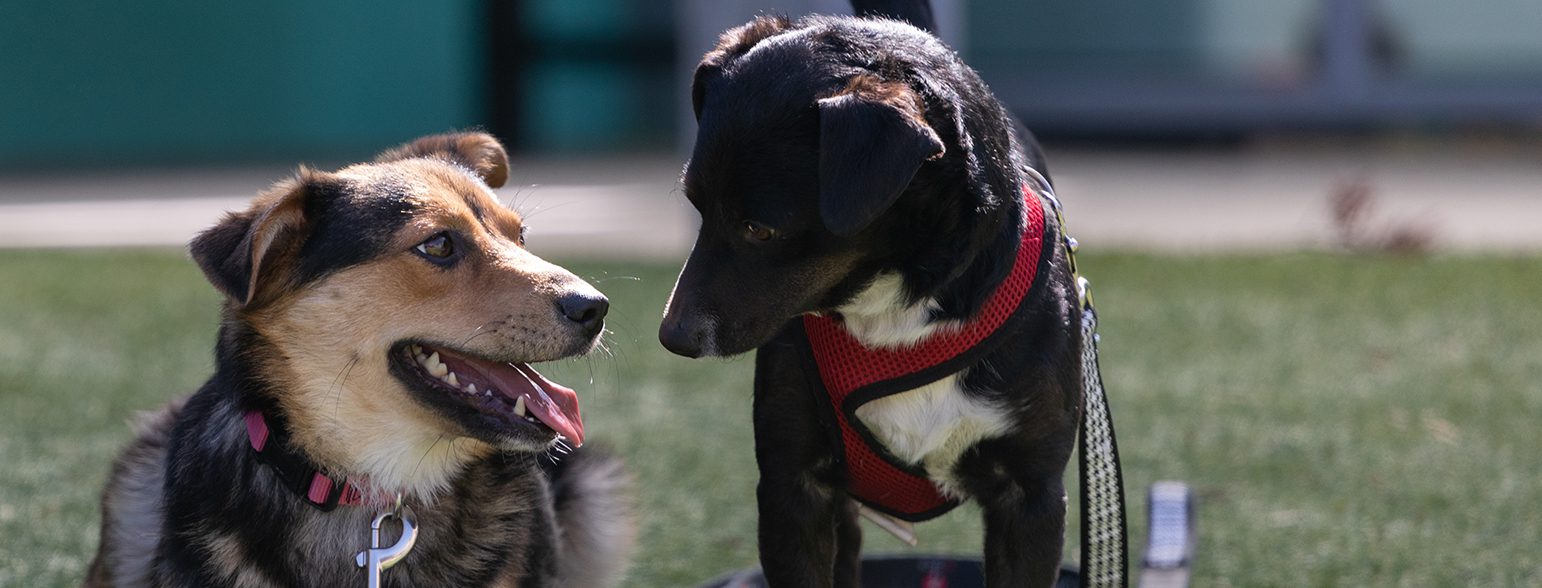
x: 586, y: 310
x: 679, y: 339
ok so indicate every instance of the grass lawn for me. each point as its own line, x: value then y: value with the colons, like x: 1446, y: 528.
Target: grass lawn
x: 1347, y: 421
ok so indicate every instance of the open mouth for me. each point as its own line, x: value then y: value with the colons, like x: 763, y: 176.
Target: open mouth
x: 512, y: 393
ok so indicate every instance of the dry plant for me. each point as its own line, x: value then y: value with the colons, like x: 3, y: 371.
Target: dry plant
x: 1351, y: 205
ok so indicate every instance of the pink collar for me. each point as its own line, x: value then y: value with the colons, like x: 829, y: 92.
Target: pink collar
x: 297, y: 472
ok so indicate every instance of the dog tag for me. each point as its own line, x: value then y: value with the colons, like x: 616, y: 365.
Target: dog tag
x: 378, y: 557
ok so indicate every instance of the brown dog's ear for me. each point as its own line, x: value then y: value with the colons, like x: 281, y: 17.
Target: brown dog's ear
x: 873, y: 137
x: 240, y: 254
x: 732, y: 43
x: 478, y: 152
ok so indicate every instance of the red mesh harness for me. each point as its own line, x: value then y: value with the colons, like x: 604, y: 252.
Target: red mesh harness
x: 853, y: 375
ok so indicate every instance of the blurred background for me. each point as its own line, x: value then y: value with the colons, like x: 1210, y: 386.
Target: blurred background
x: 1244, y: 115
x: 1314, y: 226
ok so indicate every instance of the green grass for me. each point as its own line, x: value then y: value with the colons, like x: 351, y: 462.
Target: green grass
x: 1347, y: 421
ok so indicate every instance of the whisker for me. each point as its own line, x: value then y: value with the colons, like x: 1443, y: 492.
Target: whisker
x: 338, y: 383
x: 479, y: 331
x: 612, y: 278
x: 414, y: 472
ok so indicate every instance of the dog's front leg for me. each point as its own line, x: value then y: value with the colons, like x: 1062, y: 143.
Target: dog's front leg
x: 848, y: 545
x: 1023, y: 537
x: 1024, y: 513
x: 799, y: 531
x: 808, y: 534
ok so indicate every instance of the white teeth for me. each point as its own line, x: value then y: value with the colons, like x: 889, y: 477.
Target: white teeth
x: 451, y: 380
x: 435, y: 367
x: 519, y: 406
x: 471, y: 388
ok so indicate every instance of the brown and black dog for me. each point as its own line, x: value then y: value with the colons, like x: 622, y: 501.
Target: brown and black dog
x: 856, y: 170
x: 378, y: 325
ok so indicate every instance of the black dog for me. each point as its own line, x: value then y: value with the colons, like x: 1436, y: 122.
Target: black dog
x: 855, y: 179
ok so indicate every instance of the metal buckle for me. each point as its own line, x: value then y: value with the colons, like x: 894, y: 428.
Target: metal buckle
x: 378, y: 557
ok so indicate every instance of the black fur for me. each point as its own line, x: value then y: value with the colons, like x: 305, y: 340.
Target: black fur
x: 764, y: 154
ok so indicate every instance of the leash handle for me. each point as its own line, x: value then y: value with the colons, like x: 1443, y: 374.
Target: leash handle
x: 379, y: 557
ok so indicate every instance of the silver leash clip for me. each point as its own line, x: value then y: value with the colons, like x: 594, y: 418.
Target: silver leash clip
x: 378, y: 557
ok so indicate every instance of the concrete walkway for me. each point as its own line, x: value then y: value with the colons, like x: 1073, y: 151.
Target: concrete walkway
x: 1258, y: 198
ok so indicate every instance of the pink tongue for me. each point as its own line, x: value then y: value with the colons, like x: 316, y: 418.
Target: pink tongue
x: 555, y: 404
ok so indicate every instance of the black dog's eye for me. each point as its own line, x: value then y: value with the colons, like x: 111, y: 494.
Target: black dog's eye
x: 758, y: 232
x: 437, y: 248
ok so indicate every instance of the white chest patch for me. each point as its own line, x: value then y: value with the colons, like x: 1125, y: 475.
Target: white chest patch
x: 878, y: 316
x: 932, y: 426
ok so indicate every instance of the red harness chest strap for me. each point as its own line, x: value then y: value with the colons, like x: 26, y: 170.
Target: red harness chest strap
x: 853, y: 374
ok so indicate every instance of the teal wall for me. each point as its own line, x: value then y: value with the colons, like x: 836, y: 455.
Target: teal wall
x: 1084, y: 37
x: 600, y: 75
x: 89, y: 81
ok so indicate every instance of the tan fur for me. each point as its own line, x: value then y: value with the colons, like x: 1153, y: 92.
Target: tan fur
x: 358, y: 418
x: 897, y: 95
x: 480, y: 153
x: 739, y: 39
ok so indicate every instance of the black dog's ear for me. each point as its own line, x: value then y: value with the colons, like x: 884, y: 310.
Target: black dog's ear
x: 241, y: 255
x: 732, y: 43
x: 873, y: 137
x: 478, y: 152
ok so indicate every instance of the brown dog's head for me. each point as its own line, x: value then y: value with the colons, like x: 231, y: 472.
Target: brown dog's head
x: 390, y: 311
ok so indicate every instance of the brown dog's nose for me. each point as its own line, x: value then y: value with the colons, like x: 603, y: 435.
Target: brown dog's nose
x: 585, y: 310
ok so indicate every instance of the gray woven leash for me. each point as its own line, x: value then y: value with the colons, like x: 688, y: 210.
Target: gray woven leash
x: 1105, y: 555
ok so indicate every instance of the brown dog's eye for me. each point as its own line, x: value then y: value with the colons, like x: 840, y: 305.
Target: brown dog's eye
x: 758, y: 232
x: 437, y: 247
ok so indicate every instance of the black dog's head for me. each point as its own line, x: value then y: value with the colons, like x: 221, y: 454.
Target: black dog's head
x: 830, y: 151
